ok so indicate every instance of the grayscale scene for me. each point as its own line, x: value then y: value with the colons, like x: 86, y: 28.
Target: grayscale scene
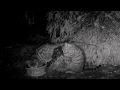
x: 61, y: 45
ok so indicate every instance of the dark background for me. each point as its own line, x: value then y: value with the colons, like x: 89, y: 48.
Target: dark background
x: 15, y: 26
